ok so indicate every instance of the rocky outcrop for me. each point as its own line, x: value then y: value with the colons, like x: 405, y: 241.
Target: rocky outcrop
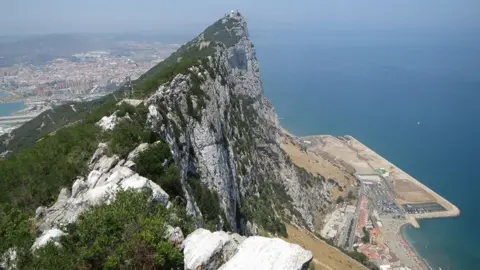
x: 268, y: 253
x: 108, y: 123
x: 108, y: 175
x: 175, y: 236
x: 206, y: 250
x: 220, y: 250
x: 8, y: 260
x: 47, y: 236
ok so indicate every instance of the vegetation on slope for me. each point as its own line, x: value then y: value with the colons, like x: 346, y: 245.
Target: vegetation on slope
x: 156, y: 163
x: 272, y: 200
x: 34, y: 176
x: 127, y: 234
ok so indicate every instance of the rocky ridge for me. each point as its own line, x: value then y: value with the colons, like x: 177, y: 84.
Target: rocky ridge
x: 220, y: 126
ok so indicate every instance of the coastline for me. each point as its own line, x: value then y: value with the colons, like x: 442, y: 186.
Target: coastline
x: 358, y: 158
x: 422, y: 261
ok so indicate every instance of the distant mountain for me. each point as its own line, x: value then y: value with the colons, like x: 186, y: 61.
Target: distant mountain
x: 40, y: 49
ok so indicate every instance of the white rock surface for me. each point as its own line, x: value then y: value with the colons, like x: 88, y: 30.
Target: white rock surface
x: 263, y: 253
x: 105, y: 179
x: 108, y: 122
x: 175, y: 236
x: 8, y: 260
x: 47, y: 236
x: 142, y: 147
x: 208, y: 250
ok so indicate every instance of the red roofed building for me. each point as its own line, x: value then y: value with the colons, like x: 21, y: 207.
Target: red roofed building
x: 376, y: 236
x: 362, y: 221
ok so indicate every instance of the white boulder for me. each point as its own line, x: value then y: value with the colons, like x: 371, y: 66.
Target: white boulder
x: 142, y: 147
x: 263, y: 253
x: 108, y: 122
x: 208, y: 250
x: 47, y: 236
x: 175, y: 236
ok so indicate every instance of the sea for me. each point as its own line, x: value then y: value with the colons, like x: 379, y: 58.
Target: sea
x: 413, y: 97
x: 6, y: 109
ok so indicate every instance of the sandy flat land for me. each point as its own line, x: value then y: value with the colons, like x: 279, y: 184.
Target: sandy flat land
x: 409, y: 192
x: 317, y: 164
x: 325, y: 257
x: 365, y: 161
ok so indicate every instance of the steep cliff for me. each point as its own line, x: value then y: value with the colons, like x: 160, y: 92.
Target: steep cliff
x: 225, y: 133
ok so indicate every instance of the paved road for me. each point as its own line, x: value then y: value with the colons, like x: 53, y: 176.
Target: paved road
x: 355, y: 218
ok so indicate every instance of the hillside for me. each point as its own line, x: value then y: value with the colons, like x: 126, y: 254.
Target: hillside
x: 203, y: 144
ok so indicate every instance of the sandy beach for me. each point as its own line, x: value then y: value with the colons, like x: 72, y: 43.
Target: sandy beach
x: 421, y: 261
x: 398, y: 245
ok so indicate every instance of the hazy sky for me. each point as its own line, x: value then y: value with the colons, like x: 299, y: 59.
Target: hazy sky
x: 51, y: 16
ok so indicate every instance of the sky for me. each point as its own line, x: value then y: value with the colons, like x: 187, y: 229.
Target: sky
x: 63, y: 16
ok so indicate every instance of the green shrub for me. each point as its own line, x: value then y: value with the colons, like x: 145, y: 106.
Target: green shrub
x: 150, y: 165
x: 207, y: 201
x: 127, y: 234
x: 340, y: 199
x: 15, y: 230
x: 125, y: 137
x: 351, y: 196
x: 260, y: 209
x: 125, y: 108
x: 35, y: 175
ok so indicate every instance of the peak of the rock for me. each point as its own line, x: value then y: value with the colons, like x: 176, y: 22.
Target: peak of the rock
x: 228, y: 30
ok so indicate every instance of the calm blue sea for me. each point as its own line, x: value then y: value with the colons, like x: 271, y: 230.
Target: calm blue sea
x: 7, y: 109
x: 376, y: 86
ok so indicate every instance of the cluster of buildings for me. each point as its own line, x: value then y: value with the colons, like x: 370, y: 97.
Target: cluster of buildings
x: 82, y: 73
x: 360, y: 227
x: 337, y: 221
x: 81, y: 77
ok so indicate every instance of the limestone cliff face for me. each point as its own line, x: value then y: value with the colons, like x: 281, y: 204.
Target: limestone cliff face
x: 221, y: 128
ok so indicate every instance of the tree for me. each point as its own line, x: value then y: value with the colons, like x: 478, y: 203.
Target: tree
x: 351, y: 196
x: 366, y: 236
x: 156, y: 163
x: 340, y: 200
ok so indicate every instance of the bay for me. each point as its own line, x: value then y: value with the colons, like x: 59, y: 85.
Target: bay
x: 6, y: 109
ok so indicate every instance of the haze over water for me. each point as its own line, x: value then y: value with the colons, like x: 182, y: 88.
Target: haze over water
x: 377, y: 87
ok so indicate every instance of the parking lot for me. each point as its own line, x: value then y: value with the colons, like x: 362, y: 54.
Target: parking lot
x: 419, y: 208
x: 382, y: 200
